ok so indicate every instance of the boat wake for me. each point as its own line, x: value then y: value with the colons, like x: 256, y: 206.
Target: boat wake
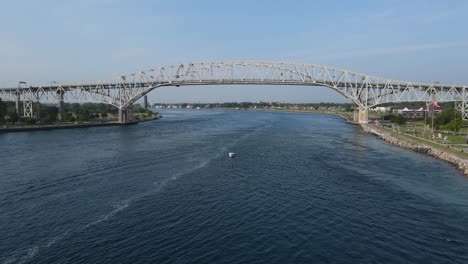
x: 26, y: 255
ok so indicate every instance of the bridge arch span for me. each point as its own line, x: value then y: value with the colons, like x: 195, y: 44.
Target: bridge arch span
x: 363, y: 90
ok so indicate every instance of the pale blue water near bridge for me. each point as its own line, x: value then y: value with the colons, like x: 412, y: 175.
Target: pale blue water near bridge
x: 303, y: 189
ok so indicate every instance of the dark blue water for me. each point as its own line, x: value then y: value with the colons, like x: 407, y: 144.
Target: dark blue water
x: 303, y: 189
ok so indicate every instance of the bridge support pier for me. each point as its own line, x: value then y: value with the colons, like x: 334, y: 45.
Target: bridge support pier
x: 126, y: 114
x: 146, y: 102
x: 464, y: 106
x: 363, y: 115
x: 60, y: 105
x: 28, y: 108
x: 360, y: 115
x: 356, y: 114
x: 17, y: 104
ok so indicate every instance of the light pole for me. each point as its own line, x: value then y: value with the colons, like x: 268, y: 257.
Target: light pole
x: 466, y: 135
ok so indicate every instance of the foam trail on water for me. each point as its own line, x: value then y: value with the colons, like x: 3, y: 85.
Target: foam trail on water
x: 27, y: 255
x: 118, y: 207
x: 24, y: 256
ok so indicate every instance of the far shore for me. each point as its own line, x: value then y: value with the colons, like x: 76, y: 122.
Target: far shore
x: 292, y: 111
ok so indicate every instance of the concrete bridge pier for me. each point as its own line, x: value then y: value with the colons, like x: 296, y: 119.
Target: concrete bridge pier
x: 360, y: 115
x: 60, y: 105
x: 146, y: 102
x: 126, y: 114
x: 363, y: 115
x: 356, y: 114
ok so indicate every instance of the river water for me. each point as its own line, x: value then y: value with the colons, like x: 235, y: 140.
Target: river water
x: 303, y: 189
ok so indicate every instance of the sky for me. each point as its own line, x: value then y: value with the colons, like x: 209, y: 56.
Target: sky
x: 81, y: 40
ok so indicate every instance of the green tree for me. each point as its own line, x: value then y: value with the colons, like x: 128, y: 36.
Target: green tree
x: 444, y: 117
x: 455, y: 125
x: 347, y: 108
x: 397, y: 119
x: 84, y: 116
x: 68, y: 116
x: 48, y: 114
x: 3, y: 111
x: 13, y: 118
x: 29, y: 120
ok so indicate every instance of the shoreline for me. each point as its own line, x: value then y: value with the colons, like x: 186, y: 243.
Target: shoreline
x: 70, y: 126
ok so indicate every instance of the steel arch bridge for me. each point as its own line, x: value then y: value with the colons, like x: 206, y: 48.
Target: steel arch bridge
x: 363, y: 90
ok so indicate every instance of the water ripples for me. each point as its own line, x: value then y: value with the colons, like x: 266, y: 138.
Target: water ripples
x: 303, y: 189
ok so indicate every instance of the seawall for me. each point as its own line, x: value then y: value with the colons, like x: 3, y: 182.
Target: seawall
x: 69, y: 126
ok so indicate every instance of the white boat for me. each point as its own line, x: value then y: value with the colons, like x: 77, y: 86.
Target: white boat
x: 232, y: 155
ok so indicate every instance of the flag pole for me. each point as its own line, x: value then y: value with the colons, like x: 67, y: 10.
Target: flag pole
x: 432, y: 118
x: 425, y: 118
x: 432, y: 107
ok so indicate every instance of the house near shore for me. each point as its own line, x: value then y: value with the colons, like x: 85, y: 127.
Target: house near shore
x: 381, y: 109
x: 412, y: 112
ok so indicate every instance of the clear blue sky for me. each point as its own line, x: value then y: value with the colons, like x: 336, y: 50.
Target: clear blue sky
x: 43, y: 41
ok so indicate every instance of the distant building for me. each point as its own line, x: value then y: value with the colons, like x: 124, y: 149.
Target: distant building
x: 382, y: 109
x: 412, y: 112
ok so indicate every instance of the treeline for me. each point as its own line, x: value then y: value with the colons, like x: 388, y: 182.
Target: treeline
x: 42, y: 114
x: 48, y: 114
x: 445, y: 105
x: 91, y: 108
x: 3, y: 110
x: 94, y: 111
x: 86, y: 112
x: 74, y: 112
x: 246, y: 105
x: 8, y: 112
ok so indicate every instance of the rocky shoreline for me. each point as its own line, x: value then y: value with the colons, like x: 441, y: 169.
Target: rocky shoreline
x: 460, y: 163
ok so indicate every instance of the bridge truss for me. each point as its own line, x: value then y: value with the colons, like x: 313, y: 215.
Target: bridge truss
x: 363, y: 90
